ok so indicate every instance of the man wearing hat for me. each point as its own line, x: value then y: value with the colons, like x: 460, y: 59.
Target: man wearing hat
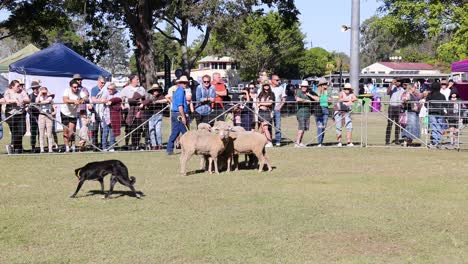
x: 304, y: 100
x: 154, y: 103
x: 84, y: 94
x: 179, y: 108
x: 34, y: 114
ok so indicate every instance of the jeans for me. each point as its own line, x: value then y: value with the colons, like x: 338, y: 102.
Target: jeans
x: 321, y: 122
x: 412, y: 129
x: 277, y: 121
x: 105, y: 132
x: 436, y: 123
x: 177, y: 127
x: 348, y: 122
x: 155, y: 125
x: 1, y: 130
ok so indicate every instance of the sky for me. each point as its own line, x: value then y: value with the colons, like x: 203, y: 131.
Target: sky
x: 321, y: 21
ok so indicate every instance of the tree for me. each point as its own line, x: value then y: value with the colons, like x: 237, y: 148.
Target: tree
x: 263, y: 42
x: 378, y: 43
x: 142, y: 17
x: 315, y: 61
x: 116, y: 60
x: 444, y: 21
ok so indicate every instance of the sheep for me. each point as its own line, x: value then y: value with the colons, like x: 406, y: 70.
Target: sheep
x: 206, y: 144
x: 237, y: 129
x: 204, y: 126
x: 250, y: 142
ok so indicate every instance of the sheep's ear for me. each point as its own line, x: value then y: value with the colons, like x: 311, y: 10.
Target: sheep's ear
x: 233, y: 136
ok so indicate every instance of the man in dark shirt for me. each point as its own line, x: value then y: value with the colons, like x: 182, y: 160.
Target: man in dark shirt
x: 437, y: 112
x: 34, y: 115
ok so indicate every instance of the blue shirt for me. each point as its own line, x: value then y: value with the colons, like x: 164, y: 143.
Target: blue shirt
x: 94, y: 92
x: 179, y: 99
x: 204, y: 108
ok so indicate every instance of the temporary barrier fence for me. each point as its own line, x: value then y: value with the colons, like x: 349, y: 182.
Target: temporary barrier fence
x: 433, y: 125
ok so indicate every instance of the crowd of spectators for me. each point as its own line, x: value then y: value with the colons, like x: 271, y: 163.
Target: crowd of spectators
x: 95, y: 117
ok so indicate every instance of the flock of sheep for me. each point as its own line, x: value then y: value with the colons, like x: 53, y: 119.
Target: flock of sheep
x: 220, y: 145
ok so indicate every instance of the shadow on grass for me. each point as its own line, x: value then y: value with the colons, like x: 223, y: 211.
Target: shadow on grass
x: 115, y: 194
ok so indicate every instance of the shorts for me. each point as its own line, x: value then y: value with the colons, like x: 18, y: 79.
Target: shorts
x: 264, y: 116
x: 303, y: 123
x: 66, y: 120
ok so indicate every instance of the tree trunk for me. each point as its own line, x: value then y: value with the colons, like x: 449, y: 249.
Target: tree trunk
x: 140, y: 22
x: 146, y: 60
x: 183, y: 47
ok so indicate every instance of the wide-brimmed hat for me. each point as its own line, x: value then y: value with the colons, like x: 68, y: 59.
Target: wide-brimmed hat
x: 266, y: 83
x: 35, y: 84
x: 20, y: 81
x: 155, y: 87
x: 322, y: 81
x: 348, y: 86
x: 77, y: 76
x: 182, y: 79
x: 304, y: 83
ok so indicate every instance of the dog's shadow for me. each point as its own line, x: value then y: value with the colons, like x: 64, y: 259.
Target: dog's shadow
x: 115, y: 194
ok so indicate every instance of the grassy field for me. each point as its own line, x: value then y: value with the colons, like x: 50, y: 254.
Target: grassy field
x: 348, y: 205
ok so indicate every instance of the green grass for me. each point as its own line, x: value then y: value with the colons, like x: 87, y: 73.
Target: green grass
x: 317, y: 206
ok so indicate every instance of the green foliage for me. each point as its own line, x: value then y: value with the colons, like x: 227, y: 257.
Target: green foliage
x: 443, y: 21
x: 263, y: 42
x: 315, y: 62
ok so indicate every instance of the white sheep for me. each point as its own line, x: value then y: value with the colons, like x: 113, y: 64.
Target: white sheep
x: 250, y: 142
x: 206, y: 144
x: 204, y: 126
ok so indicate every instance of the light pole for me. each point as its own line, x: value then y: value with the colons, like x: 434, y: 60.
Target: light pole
x: 354, y: 71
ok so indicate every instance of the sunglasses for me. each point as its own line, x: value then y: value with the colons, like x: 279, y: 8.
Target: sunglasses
x: 206, y: 81
x: 75, y: 86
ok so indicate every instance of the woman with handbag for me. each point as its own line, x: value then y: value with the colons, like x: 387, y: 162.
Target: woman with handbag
x: 343, y: 114
x: 410, y: 114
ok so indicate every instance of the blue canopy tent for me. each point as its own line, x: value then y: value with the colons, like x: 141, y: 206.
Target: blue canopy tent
x: 58, y: 61
x: 54, y: 67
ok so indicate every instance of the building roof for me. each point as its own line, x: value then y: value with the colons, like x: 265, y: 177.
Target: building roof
x: 407, y: 65
x: 216, y: 59
x: 22, y: 53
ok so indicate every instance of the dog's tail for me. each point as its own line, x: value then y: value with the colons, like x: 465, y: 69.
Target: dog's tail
x: 132, y: 180
x: 77, y: 172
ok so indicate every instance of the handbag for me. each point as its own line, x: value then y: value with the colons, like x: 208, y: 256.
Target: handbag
x: 403, y: 120
x: 341, y: 106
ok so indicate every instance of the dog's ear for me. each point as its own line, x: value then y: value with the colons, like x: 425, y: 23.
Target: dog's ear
x: 77, y: 172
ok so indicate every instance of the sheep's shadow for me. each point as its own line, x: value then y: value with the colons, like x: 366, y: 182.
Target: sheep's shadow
x: 115, y: 194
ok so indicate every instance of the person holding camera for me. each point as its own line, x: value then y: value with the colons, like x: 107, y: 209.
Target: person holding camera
x: 205, y: 96
x: 44, y: 100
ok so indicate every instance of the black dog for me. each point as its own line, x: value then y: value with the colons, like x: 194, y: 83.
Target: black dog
x: 99, y: 169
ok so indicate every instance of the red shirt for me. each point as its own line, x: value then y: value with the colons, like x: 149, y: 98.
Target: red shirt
x: 219, y: 87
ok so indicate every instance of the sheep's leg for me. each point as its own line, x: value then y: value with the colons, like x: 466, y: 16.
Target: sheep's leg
x: 203, y: 162
x: 261, y: 160
x: 210, y: 161
x: 215, y: 159
x: 267, y: 162
x: 229, y: 163
x: 236, y: 162
x: 184, y: 157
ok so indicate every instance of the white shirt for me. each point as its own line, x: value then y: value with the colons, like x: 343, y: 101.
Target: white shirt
x: 70, y: 109
x: 446, y: 93
x: 280, y: 93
